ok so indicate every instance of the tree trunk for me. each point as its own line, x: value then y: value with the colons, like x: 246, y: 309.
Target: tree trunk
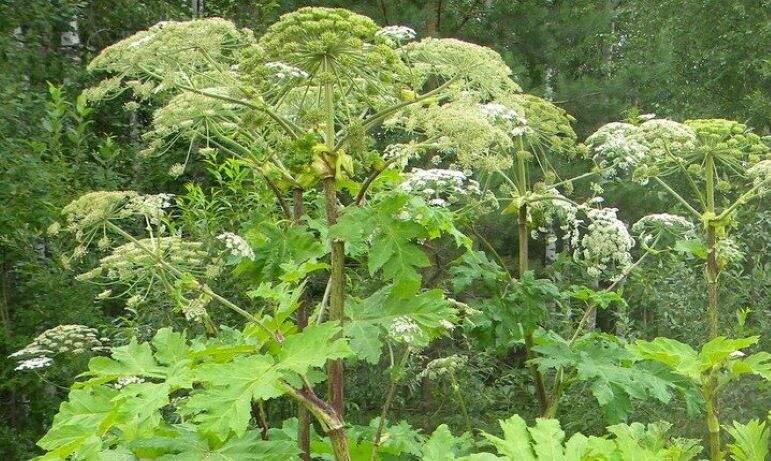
x: 196, y: 8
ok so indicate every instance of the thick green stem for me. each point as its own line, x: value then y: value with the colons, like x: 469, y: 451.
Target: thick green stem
x: 336, y: 293
x: 339, y: 442
x: 326, y: 416
x: 337, y: 263
x: 712, y: 270
x: 713, y: 426
x: 303, y: 417
x: 523, y: 263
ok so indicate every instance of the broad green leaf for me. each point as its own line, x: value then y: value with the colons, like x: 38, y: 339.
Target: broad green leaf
x: 249, y: 447
x: 608, y: 367
x: 474, y: 267
x: 86, y: 414
x: 311, y: 348
x: 757, y: 364
x: 681, y: 358
x: 370, y: 317
x: 515, y: 443
x: 692, y: 247
x: 170, y: 347
x: 442, y: 445
x: 717, y: 351
x: 750, y: 441
x: 547, y: 440
x: 138, y: 408
x: 224, y: 405
x: 134, y: 359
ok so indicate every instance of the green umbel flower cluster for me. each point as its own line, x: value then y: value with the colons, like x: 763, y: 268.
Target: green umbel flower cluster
x: 477, y: 69
x: 169, y: 51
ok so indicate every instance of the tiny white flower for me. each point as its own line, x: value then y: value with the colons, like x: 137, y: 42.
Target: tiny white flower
x: 34, y: 363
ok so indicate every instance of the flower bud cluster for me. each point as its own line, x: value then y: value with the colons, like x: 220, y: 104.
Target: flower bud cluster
x: 499, y: 113
x: 152, y: 206
x: 656, y: 223
x: 75, y: 339
x: 127, y: 380
x: 139, y: 264
x: 445, y: 365
x: 283, y: 71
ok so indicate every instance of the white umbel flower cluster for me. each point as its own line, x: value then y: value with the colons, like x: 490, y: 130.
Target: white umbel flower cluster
x: 34, y: 363
x: 440, y: 187
x: 152, y: 206
x: 195, y: 309
x: 623, y: 147
x: 614, y: 151
x: 606, y: 244
x: 236, y: 245
x: 399, y: 34
x: 596, y: 237
x: 405, y: 330
x: 75, y: 339
x: 127, y: 380
x: 761, y: 173
x: 498, y: 113
x: 400, y: 154
x: 558, y: 212
x: 283, y: 71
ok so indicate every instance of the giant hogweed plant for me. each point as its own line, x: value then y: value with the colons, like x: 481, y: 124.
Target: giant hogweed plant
x: 301, y: 107
x: 719, y: 166
x: 524, y: 140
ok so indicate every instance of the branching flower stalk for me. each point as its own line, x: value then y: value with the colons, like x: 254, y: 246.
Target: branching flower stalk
x: 396, y: 373
x: 201, y: 287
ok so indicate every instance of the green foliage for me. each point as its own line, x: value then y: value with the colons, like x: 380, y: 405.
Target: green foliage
x: 610, y: 370
x: 720, y: 358
x: 324, y: 92
x: 750, y: 441
x: 388, y: 231
x: 545, y: 441
x: 138, y: 394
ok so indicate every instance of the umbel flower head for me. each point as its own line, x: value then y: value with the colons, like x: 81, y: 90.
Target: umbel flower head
x: 137, y: 264
x: 442, y: 188
x: 613, y: 151
x: 662, y: 223
x: 169, y: 51
x: 311, y: 37
x: 396, y: 34
x: 63, y: 339
x: 598, y: 240
x: 662, y: 147
x: 476, y: 69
